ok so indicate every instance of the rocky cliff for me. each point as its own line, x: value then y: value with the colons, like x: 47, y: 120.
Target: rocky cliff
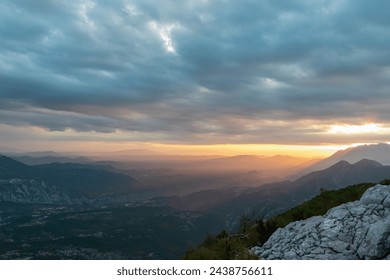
x: 355, y: 230
x: 33, y: 191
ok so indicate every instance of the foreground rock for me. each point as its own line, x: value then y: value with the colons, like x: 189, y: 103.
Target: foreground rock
x: 355, y: 230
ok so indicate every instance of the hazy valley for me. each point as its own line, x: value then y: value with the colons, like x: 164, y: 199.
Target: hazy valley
x: 149, y: 206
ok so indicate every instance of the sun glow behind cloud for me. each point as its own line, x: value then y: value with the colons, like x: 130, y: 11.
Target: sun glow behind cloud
x: 164, y: 32
x: 357, y: 129
x: 193, y: 76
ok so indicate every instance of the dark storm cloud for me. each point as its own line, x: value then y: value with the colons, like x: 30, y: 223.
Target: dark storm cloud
x: 195, y: 71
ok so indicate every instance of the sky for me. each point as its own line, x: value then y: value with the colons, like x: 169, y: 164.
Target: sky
x: 201, y: 76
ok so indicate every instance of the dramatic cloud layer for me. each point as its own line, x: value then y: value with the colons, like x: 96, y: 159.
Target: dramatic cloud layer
x: 207, y: 71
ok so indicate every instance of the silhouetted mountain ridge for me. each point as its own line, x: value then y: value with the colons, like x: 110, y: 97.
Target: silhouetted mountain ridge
x: 90, y: 181
x: 30, y: 160
x: 10, y: 168
x: 377, y: 152
x: 345, y: 173
x: 273, y: 198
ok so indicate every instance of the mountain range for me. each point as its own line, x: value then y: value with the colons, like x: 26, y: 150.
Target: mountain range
x: 377, y: 152
x: 273, y: 198
x: 78, y: 180
x: 83, y: 211
x: 102, y: 209
x: 97, y: 181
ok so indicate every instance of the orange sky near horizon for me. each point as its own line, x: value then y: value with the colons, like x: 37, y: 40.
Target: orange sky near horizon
x: 78, y: 80
x: 96, y: 148
x: 93, y: 143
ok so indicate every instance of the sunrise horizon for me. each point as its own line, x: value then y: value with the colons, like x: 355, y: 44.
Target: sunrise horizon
x: 101, y: 149
x: 226, y: 79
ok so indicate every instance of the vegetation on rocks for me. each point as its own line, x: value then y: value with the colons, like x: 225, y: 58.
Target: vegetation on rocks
x: 256, y: 232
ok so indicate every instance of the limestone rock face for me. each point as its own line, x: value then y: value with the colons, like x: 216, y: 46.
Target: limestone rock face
x: 355, y: 230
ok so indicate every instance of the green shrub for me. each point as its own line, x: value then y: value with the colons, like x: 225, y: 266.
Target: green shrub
x: 226, y: 246
x: 320, y: 204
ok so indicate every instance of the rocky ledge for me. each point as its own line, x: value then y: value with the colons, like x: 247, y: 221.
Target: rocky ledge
x: 351, y: 231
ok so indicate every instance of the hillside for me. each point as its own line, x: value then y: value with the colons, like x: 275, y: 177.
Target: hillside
x: 272, y: 199
x: 84, y: 211
x: 255, y: 232
x: 376, y: 152
x: 60, y: 182
x: 351, y: 231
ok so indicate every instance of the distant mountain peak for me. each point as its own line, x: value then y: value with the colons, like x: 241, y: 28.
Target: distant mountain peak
x: 8, y: 160
x: 40, y: 154
x: 342, y: 163
x: 361, y: 163
x: 368, y: 162
x: 372, y: 146
x: 379, y: 153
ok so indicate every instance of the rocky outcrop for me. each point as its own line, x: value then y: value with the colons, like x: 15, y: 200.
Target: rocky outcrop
x: 355, y: 230
x: 32, y: 191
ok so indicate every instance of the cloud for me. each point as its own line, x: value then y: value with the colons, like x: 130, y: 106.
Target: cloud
x: 196, y: 71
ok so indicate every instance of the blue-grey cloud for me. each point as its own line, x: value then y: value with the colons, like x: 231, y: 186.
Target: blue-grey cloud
x: 195, y: 71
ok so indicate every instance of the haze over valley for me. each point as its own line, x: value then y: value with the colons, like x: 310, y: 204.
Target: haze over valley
x: 59, y: 206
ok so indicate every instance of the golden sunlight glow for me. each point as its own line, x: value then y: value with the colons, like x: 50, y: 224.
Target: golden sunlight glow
x: 247, y: 149
x: 355, y: 129
x: 206, y: 150
x: 94, y: 143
